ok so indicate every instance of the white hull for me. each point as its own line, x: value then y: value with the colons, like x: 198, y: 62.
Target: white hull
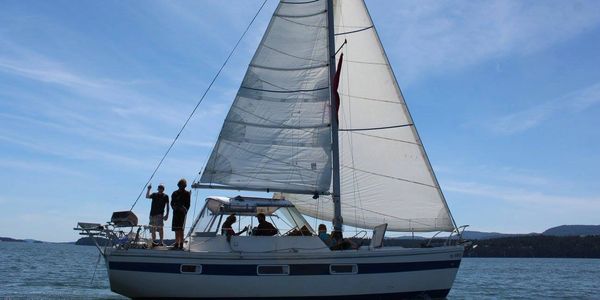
x: 392, y: 272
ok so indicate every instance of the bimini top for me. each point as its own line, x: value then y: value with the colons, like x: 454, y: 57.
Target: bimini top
x: 245, y: 205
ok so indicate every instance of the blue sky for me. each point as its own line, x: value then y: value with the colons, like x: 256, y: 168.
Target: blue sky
x: 505, y: 94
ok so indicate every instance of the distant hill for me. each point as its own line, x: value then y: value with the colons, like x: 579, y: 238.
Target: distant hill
x: 478, y: 235
x: 7, y: 239
x: 538, y: 246
x: 573, y: 230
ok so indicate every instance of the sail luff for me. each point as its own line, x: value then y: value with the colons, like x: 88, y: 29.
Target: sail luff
x: 337, y: 208
x: 413, y: 128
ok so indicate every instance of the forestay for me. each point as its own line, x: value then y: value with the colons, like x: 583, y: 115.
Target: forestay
x: 385, y: 174
x: 276, y: 135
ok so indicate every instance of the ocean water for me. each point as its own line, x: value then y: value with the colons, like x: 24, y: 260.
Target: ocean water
x: 59, y: 271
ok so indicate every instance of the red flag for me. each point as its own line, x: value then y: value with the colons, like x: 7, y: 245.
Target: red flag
x: 336, y: 83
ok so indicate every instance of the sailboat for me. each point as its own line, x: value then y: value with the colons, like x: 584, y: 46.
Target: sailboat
x: 319, y: 122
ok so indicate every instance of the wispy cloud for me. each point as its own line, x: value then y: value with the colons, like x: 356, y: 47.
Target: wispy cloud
x: 573, y: 102
x: 523, y: 196
x: 517, y: 187
x: 123, y: 97
x: 433, y: 37
x: 72, y: 152
x: 505, y: 174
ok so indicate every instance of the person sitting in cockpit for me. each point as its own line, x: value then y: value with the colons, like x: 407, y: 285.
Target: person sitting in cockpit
x: 227, y: 229
x: 264, y: 228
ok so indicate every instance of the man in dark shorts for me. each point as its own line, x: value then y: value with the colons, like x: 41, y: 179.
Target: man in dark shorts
x: 180, y: 202
x: 264, y: 228
x: 160, y: 200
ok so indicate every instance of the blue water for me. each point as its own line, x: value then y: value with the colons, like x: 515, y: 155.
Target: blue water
x: 55, y: 271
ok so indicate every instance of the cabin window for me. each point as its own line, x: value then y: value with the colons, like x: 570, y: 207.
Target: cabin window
x: 273, y: 270
x: 192, y: 269
x: 343, y: 269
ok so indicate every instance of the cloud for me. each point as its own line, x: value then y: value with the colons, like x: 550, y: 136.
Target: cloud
x: 121, y: 122
x: 524, y: 197
x: 507, y: 175
x: 122, y: 96
x: 517, y: 186
x: 72, y: 152
x: 573, y: 102
x: 433, y: 37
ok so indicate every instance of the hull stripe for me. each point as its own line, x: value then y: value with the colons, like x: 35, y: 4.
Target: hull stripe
x: 435, y: 294
x: 295, y: 269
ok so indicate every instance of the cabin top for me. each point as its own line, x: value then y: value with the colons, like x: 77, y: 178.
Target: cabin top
x: 242, y: 205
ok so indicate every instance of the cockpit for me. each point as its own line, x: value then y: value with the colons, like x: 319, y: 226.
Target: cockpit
x: 279, y: 212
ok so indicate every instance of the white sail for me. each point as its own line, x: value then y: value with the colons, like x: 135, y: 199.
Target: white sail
x: 385, y: 174
x: 277, y: 133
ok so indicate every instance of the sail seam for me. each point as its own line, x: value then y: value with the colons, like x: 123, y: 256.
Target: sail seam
x: 272, y: 143
x: 299, y: 23
x: 366, y: 62
x: 249, y: 95
x: 288, y: 69
x: 272, y: 84
x: 354, y: 31
x: 391, y: 177
x: 287, y: 91
x: 290, y: 55
x: 301, y: 16
x: 305, y: 2
x: 372, y: 99
x: 279, y: 126
x: 386, y: 138
x: 376, y: 128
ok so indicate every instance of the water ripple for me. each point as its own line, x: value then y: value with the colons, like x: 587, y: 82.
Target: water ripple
x: 57, y: 271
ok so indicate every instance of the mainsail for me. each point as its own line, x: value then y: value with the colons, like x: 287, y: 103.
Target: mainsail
x: 385, y: 174
x: 277, y: 135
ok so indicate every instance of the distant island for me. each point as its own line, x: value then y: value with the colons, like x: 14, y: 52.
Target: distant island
x: 573, y: 230
x: 538, y: 246
x: 7, y: 239
x: 566, y: 241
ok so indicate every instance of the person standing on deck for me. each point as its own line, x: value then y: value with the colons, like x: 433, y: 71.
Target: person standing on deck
x: 180, y: 202
x: 160, y: 200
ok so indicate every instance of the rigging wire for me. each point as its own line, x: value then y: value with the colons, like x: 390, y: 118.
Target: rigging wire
x: 198, y: 104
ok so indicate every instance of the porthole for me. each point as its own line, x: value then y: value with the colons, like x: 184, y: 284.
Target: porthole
x: 273, y: 270
x: 191, y: 269
x: 343, y: 269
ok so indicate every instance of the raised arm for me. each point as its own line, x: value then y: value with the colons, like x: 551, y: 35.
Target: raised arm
x: 148, y: 191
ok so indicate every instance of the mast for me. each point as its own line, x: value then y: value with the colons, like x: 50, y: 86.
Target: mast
x: 337, y: 207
